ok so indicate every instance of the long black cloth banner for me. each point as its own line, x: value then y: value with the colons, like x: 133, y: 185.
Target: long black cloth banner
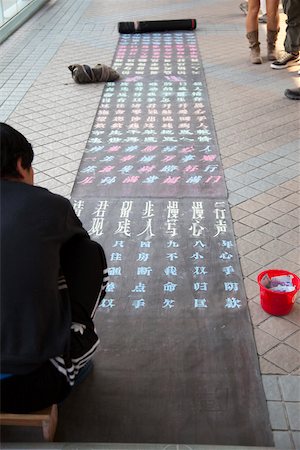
x: 153, y: 134
x: 178, y: 362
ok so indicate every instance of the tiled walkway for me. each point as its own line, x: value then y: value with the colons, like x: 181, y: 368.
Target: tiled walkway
x: 257, y: 130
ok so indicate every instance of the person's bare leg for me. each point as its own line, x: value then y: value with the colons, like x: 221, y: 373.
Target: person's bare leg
x: 252, y: 31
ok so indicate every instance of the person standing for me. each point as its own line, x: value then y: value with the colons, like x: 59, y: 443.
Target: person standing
x: 292, y: 39
x: 252, y: 29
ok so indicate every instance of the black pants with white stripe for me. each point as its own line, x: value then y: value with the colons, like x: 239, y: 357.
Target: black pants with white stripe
x: 84, y: 267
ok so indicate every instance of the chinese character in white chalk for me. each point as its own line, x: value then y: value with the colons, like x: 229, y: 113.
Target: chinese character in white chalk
x: 125, y: 169
x: 169, y: 287
x: 123, y: 228
x: 143, y: 257
x: 194, y: 180
x: 78, y: 206
x: 168, y: 303
x: 145, y: 244
x: 221, y: 227
x: 147, y: 230
x: 200, y: 303
x: 140, y: 287
x: 232, y: 303
x: 119, y: 244
x: 97, y: 226
x: 210, y: 168
x: 227, y: 244
x: 138, y: 303
x: 114, y: 271
x: 228, y: 270
x: 110, y: 287
x: 196, y: 229
x: 116, y: 256
x: 108, y: 180
x: 89, y: 169
x: 144, y: 271
x: 107, y: 303
x: 148, y: 210
x: 200, y: 286
x: 226, y: 255
x: 230, y: 286
x: 172, y: 256
x: 170, y: 270
x: 199, y: 244
x: 172, y: 244
x: 100, y: 208
x: 151, y: 179
x: 200, y: 270
x: 196, y: 256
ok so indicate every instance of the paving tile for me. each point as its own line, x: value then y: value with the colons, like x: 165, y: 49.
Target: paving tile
x: 293, y: 198
x: 247, y: 192
x: 295, y: 212
x: 235, y: 199
x: 279, y: 192
x: 278, y: 247
x: 284, y: 357
x: 296, y: 439
x: 264, y: 341
x: 283, y: 205
x: 248, y: 266
x: 244, y: 246
x: 288, y: 220
x: 238, y: 213
x: 250, y: 206
x: 257, y: 314
x: 282, y: 440
x: 269, y: 213
x: 278, y: 327
x: 251, y: 288
x: 261, y: 185
x: 241, y: 229
x: 266, y: 367
x: 293, y: 412
x: 258, y: 237
x: 273, y: 229
x: 271, y: 387
x: 294, y: 341
x: 290, y: 387
x: 253, y: 221
x: 293, y: 255
x: 277, y: 415
x: 261, y: 256
x: 265, y: 199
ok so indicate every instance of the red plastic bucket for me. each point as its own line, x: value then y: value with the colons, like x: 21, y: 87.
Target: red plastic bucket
x: 277, y: 303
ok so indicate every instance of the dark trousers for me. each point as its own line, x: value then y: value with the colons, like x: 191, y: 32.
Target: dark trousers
x: 292, y: 39
x: 84, y: 267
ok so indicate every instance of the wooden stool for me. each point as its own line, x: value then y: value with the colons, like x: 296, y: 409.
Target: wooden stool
x: 46, y: 418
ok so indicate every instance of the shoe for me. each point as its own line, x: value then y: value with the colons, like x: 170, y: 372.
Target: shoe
x: 262, y: 18
x: 252, y: 37
x: 293, y: 94
x: 286, y: 60
x: 244, y: 7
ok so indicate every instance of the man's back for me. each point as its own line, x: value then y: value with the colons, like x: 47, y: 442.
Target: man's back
x: 35, y: 321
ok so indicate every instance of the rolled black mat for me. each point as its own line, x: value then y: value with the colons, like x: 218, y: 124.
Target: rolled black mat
x: 156, y: 25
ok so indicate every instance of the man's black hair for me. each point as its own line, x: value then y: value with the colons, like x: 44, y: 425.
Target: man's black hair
x: 13, y: 145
